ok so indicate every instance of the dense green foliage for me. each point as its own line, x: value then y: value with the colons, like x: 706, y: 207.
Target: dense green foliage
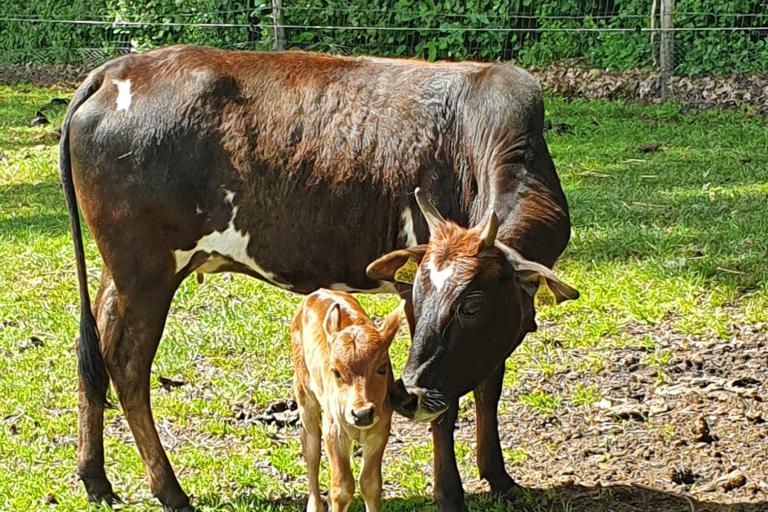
x: 432, y: 29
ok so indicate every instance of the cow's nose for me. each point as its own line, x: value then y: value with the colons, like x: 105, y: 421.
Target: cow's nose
x: 363, y: 416
x: 403, y: 402
x: 428, y: 400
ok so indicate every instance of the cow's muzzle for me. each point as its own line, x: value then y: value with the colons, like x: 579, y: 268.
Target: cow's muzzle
x: 416, y: 403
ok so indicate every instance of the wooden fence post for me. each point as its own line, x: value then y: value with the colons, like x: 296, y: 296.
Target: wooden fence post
x: 666, y: 50
x: 277, y: 24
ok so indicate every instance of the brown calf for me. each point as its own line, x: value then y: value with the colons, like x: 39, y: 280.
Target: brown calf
x: 342, y: 371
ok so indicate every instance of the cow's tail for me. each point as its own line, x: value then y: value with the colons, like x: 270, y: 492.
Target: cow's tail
x: 91, y: 367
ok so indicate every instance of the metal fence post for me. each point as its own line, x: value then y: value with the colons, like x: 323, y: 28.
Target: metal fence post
x: 666, y: 49
x: 277, y: 21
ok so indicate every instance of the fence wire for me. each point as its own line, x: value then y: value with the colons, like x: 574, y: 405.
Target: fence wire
x: 598, y: 33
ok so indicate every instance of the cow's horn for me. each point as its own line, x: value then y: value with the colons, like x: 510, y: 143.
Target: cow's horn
x: 488, y: 236
x: 433, y: 217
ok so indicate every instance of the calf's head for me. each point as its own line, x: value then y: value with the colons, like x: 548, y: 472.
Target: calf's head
x: 358, y: 364
x: 473, y: 303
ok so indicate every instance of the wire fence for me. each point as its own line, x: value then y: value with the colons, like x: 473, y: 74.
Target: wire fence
x: 730, y: 37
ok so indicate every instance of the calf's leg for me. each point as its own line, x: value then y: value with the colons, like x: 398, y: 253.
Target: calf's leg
x: 90, y: 446
x: 311, y: 436
x: 449, y: 493
x: 342, y: 489
x: 490, y: 460
x: 143, y: 310
x: 370, y: 476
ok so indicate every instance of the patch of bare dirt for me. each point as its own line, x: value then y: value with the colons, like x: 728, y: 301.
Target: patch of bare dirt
x: 690, y: 434
x: 572, y: 80
x: 568, y: 79
x: 43, y: 75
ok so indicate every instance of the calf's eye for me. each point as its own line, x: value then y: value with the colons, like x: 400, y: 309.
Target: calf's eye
x: 336, y: 373
x: 382, y: 369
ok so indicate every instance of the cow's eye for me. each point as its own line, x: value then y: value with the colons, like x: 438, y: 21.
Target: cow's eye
x: 382, y: 369
x: 336, y: 374
x: 471, y: 307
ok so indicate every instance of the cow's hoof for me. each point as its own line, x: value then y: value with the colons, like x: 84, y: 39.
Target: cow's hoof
x: 505, y: 488
x: 107, y: 498
x: 184, y: 508
x: 456, y: 505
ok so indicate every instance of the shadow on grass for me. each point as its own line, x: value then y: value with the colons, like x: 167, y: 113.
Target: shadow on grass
x: 722, y: 240
x: 32, y: 208
x: 572, y: 498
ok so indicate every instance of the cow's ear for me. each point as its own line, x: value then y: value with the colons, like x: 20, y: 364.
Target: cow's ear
x: 530, y: 274
x: 388, y: 267
x: 332, y: 320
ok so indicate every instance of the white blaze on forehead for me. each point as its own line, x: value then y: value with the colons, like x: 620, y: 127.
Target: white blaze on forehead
x: 439, y: 277
x: 407, y: 231
x: 229, y: 196
x: 123, y: 100
x: 230, y: 243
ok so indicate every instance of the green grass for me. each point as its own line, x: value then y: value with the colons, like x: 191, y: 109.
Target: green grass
x: 678, y: 235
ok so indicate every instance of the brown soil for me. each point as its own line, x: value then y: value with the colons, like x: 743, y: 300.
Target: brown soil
x: 691, y: 435
x: 572, y: 80
x: 568, y: 79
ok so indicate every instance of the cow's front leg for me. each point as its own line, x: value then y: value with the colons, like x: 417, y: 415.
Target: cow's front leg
x: 490, y: 460
x: 449, y: 493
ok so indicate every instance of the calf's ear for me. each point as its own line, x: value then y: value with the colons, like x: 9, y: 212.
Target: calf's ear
x: 386, y: 267
x: 530, y: 273
x: 332, y: 320
x: 392, y: 324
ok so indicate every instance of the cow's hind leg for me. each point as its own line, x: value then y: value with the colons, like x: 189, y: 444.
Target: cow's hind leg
x: 90, y: 447
x: 143, y: 310
x: 490, y: 460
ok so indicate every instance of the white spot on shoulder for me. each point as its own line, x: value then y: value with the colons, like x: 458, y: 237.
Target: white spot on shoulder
x: 124, y: 94
x: 439, y: 277
x: 230, y: 243
x: 407, y: 232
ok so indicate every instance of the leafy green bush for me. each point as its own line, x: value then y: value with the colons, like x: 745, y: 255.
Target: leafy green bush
x: 430, y: 29
x: 45, y: 42
x: 153, y: 14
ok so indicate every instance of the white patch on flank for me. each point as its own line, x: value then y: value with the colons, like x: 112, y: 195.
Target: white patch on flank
x: 439, y: 277
x: 229, y: 196
x: 407, y: 232
x: 123, y: 94
x: 230, y: 243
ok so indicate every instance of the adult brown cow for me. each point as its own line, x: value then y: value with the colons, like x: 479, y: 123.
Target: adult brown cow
x: 297, y: 169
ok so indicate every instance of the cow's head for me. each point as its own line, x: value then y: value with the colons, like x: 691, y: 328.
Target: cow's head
x: 473, y: 303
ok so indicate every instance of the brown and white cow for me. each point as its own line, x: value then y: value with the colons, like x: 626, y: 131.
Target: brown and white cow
x: 342, y: 379
x: 297, y: 169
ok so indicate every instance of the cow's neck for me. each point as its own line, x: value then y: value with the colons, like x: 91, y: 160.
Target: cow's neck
x: 533, y: 216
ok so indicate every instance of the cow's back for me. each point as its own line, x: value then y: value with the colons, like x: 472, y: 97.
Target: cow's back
x: 291, y: 149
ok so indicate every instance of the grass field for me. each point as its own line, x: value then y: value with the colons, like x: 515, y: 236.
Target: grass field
x: 669, y: 225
